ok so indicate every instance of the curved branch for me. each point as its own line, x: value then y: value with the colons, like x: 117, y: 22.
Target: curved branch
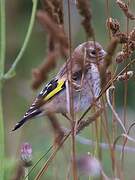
x: 11, y: 71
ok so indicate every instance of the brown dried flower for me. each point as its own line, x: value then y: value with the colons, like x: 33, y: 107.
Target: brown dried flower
x: 110, y: 52
x: 128, y: 47
x: 122, y: 37
x: 126, y: 76
x: 132, y: 35
x: 85, y: 11
x: 124, y: 7
x: 114, y: 25
x: 40, y: 73
x: 58, y: 42
x: 120, y: 57
x: 53, y: 29
x: 55, y: 10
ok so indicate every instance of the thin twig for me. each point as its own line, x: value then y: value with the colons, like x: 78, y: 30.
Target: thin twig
x: 125, y: 136
x: 114, y: 112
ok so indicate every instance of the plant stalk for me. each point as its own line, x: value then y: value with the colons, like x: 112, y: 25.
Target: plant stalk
x: 26, y: 173
x: 11, y: 71
x: 2, y: 62
x: 2, y: 148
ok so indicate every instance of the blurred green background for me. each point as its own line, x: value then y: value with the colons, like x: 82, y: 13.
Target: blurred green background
x: 18, y: 94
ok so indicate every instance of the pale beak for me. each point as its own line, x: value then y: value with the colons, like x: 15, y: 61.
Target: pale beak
x: 102, y: 53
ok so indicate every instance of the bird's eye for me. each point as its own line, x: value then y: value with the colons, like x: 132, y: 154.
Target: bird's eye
x: 93, y: 52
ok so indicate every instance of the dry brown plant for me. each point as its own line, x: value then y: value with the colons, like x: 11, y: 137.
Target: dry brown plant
x: 51, y: 19
x: 127, y: 49
x: 40, y: 73
x: 85, y: 11
x: 124, y: 7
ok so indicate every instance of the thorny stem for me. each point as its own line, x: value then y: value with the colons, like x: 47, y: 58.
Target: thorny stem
x: 12, y: 69
x: 2, y: 61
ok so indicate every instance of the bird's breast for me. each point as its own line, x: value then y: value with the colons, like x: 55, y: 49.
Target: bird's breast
x: 90, y: 89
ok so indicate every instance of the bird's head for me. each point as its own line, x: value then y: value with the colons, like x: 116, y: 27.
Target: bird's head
x: 83, y: 56
x: 90, y: 52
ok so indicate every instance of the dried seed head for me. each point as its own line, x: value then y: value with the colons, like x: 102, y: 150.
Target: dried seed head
x: 128, y: 48
x: 126, y: 76
x: 131, y: 46
x: 110, y: 52
x: 122, y: 37
x: 120, y: 57
x: 132, y: 35
x: 40, y: 73
x: 54, y: 9
x: 124, y: 7
x: 113, y: 24
x: 85, y: 12
x: 55, y: 31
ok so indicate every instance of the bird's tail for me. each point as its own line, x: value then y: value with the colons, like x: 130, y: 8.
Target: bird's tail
x: 27, y: 117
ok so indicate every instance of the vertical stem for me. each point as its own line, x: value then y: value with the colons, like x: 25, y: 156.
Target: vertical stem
x: 2, y: 36
x: 26, y: 173
x: 74, y: 168
x: 10, y: 72
x: 1, y: 138
x: 2, y: 60
x: 107, y: 9
x: 125, y: 95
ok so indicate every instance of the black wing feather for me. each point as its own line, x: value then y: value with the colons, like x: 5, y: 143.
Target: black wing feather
x: 34, y: 108
x: 26, y: 118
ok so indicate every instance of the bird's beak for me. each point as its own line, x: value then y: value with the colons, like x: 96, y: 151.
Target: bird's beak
x: 102, y: 53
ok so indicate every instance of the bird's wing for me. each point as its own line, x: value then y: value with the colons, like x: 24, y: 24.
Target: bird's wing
x: 49, y: 91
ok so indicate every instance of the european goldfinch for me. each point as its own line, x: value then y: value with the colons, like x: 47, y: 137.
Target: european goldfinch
x: 85, y: 79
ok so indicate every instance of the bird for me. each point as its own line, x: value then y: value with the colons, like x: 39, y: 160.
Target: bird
x: 82, y: 71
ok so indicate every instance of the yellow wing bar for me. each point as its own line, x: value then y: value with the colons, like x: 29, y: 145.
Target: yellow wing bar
x: 56, y: 90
